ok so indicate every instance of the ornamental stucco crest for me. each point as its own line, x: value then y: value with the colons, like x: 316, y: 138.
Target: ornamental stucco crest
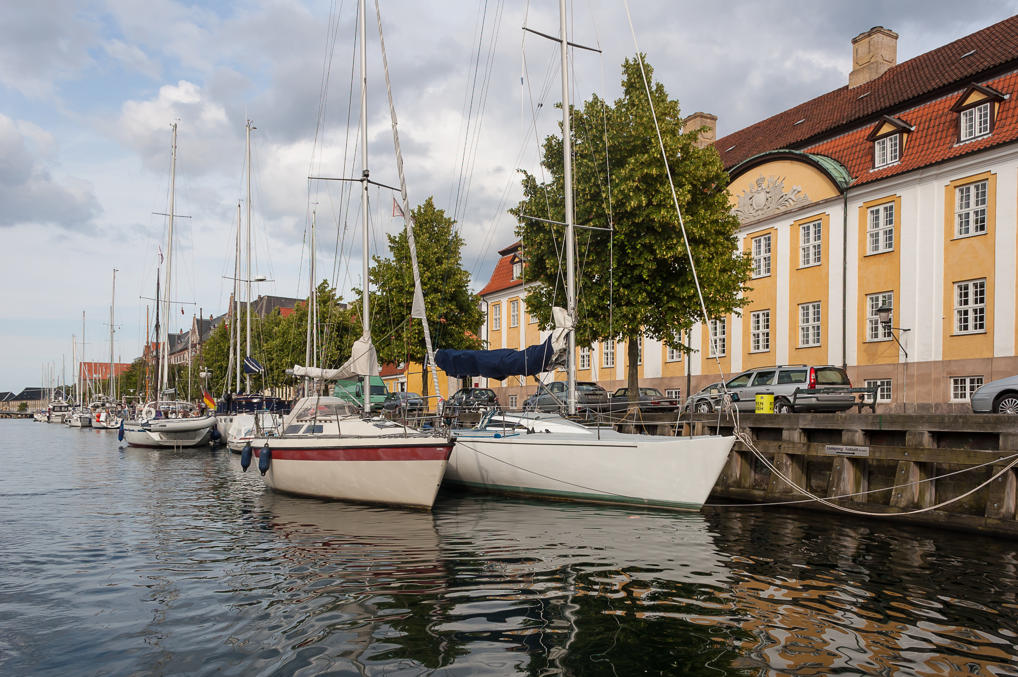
x: 768, y: 197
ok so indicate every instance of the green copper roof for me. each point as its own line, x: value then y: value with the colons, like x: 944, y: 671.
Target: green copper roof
x: 834, y: 169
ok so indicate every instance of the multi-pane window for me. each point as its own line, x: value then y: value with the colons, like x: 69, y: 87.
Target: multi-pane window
x: 886, y: 150
x: 717, y: 338
x: 673, y: 393
x: 762, y: 256
x: 975, y: 121
x: 880, y: 229
x: 883, y: 386
x: 962, y: 387
x: 673, y: 355
x: 760, y: 331
x: 810, y: 249
x: 970, y: 209
x: 639, y: 350
x: 513, y: 399
x: 970, y: 307
x: 517, y: 269
x: 608, y: 353
x: 496, y: 316
x: 584, y: 358
x: 875, y: 331
x: 514, y: 313
x: 809, y: 324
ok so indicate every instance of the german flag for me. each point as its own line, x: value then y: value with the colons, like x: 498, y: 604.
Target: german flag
x: 207, y: 399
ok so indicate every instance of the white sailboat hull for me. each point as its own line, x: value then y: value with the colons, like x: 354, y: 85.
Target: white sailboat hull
x: 590, y: 466
x: 401, y: 471
x: 173, y: 432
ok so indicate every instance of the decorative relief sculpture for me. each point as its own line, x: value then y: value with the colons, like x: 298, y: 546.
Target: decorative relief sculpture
x: 767, y: 197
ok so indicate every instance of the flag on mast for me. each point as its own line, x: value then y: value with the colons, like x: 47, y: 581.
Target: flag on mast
x: 207, y: 399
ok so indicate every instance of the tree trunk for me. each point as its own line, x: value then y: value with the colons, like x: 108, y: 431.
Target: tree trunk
x: 633, y: 369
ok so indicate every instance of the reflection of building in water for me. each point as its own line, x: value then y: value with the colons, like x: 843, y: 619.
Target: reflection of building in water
x: 862, y: 613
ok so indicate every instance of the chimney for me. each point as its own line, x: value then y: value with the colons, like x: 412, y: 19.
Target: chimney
x: 873, y: 53
x: 697, y: 120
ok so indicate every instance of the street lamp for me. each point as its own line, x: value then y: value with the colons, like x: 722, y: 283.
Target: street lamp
x: 884, y: 317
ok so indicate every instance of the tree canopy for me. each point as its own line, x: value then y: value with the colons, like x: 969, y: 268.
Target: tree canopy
x: 633, y: 273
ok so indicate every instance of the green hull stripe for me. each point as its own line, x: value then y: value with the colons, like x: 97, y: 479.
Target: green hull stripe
x: 574, y: 496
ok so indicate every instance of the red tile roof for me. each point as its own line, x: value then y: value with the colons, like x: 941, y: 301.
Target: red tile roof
x: 974, y: 57
x: 934, y: 140
x: 391, y: 369
x: 502, y: 276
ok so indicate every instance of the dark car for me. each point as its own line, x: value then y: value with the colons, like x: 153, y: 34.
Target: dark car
x: 650, y: 399
x: 553, y: 397
x: 471, y: 399
x: 412, y: 403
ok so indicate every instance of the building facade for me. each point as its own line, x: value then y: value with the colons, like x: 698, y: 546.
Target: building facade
x: 881, y: 221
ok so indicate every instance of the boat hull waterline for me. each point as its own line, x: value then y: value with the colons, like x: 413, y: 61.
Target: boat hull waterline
x: 407, y: 473
x: 645, y: 470
x: 184, y: 432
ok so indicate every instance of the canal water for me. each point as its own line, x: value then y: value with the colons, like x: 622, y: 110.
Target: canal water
x: 122, y: 561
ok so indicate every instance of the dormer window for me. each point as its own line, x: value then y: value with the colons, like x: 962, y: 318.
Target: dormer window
x: 517, y: 269
x: 888, y: 137
x: 975, y: 121
x: 977, y: 111
x: 886, y: 150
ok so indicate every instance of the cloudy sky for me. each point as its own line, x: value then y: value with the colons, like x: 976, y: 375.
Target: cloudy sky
x: 89, y: 89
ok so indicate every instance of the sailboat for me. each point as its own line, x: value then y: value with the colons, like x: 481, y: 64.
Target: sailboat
x: 546, y: 455
x: 328, y: 449
x: 164, y: 422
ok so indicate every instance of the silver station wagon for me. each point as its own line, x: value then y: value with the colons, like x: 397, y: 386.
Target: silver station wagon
x: 795, y: 388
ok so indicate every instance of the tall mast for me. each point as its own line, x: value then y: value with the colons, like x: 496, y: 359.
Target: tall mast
x: 74, y: 359
x: 159, y: 337
x: 311, y: 349
x: 235, y: 327
x: 113, y: 300
x: 165, y: 338
x: 365, y: 270
x: 247, y: 387
x: 567, y: 152
x: 81, y: 360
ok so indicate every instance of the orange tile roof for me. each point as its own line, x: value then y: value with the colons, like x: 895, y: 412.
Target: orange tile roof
x: 984, y: 54
x: 934, y: 140
x: 502, y: 276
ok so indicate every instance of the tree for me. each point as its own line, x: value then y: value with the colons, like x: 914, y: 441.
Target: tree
x: 454, y: 314
x: 635, y: 278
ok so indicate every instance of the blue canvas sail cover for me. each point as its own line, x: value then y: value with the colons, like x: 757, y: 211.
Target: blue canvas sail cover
x: 497, y: 364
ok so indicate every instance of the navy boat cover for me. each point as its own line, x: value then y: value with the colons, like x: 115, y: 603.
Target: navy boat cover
x: 497, y: 364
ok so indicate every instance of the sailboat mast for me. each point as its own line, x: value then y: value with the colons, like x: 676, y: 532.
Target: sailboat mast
x: 81, y: 364
x: 567, y: 153
x: 365, y: 270
x: 247, y: 386
x: 311, y: 348
x: 165, y: 338
x: 74, y: 359
x: 113, y: 300
x: 235, y: 329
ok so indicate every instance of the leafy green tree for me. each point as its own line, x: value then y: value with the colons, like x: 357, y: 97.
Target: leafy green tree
x: 454, y: 313
x: 633, y: 276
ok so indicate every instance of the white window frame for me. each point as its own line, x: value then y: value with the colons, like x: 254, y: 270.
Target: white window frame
x: 584, y: 361
x: 761, y: 246
x: 639, y: 351
x: 513, y: 399
x: 514, y: 313
x: 673, y: 355
x: 810, y: 324
x: 760, y: 331
x: 970, y: 203
x: 517, y: 270
x: 966, y: 385
x: 886, y: 150
x: 874, y: 330
x: 880, y: 228
x: 717, y: 334
x: 970, y: 307
x: 975, y: 121
x: 673, y: 393
x: 810, y: 244
x: 884, y: 388
x: 608, y: 353
x: 496, y: 316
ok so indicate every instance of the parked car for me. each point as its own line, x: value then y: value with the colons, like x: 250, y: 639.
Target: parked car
x: 705, y: 400
x: 470, y: 399
x: 783, y: 381
x: 553, y: 397
x: 649, y: 399
x: 411, y: 403
x: 996, y: 397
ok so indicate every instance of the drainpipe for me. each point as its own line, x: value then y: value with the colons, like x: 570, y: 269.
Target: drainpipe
x: 844, y: 280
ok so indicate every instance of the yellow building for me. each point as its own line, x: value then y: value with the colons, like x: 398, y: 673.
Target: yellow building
x: 898, y: 191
